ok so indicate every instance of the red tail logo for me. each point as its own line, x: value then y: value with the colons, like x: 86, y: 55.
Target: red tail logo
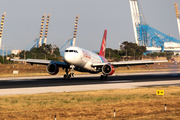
x: 103, y: 45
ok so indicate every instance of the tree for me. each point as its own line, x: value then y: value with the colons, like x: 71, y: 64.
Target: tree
x: 56, y: 51
x: 132, y: 49
x: 42, y: 52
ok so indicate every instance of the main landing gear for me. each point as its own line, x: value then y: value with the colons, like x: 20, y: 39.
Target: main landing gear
x: 67, y: 75
x: 104, y: 77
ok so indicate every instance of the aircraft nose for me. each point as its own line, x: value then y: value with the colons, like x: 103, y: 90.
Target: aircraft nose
x: 67, y: 58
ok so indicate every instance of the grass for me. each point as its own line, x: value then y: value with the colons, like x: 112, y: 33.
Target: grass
x: 137, y: 104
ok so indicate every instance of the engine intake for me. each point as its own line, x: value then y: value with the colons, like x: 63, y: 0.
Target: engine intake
x: 52, y: 69
x: 108, y: 69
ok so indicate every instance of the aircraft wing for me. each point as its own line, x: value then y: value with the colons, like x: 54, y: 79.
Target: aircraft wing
x: 42, y: 62
x: 129, y: 63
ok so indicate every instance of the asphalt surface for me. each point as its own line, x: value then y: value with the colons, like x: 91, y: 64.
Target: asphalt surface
x: 32, y: 85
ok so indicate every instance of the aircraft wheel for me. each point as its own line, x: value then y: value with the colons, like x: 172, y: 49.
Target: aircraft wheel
x: 106, y: 77
x: 72, y: 74
x: 101, y: 77
x: 69, y: 76
x: 65, y: 77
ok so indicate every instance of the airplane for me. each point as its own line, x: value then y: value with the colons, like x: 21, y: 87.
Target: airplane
x: 82, y: 60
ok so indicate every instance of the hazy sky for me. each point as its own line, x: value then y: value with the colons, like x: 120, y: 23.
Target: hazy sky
x: 23, y: 20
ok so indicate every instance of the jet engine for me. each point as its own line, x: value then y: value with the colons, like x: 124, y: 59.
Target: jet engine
x: 52, y: 69
x: 108, y: 69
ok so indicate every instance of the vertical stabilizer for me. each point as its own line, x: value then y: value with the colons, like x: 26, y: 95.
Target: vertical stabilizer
x: 103, y: 45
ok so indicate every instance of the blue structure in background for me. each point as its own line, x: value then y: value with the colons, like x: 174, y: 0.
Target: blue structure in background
x: 148, y: 36
x: 33, y: 44
x: 69, y: 41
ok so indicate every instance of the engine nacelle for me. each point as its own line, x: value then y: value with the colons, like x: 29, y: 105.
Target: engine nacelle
x: 108, y: 69
x: 52, y: 69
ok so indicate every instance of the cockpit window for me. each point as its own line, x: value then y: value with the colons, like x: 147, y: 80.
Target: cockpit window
x: 75, y: 51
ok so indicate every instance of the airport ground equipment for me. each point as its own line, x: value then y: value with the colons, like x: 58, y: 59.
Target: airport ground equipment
x: 177, y: 16
x: 148, y: 36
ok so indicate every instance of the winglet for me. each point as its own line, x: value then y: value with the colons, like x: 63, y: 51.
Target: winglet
x: 103, y: 44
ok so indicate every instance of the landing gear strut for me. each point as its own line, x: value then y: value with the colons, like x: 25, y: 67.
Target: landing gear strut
x: 104, y: 77
x: 67, y: 75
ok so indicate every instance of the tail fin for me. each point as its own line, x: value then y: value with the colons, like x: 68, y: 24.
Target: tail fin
x: 103, y: 45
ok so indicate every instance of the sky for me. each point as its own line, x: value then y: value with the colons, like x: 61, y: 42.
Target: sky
x: 23, y: 20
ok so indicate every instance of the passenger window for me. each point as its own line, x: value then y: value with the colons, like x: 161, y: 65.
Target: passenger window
x: 70, y: 50
x: 66, y: 50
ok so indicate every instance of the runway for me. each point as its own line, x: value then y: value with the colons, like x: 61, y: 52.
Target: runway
x: 44, y: 84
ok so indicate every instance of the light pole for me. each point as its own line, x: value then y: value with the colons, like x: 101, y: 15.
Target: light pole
x: 6, y: 52
x: 3, y: 53
x: 126, y: 55
x: 134, y: 53
x: 24, y: 54
x: 142, y: 54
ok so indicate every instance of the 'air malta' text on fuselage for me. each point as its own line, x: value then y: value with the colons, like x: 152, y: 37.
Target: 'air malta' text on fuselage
x: 86, y: 54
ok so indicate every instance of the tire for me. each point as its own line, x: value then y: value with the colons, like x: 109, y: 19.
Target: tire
x: 69, y: 76
x: 65, y: 77
x: 106, y: 77
x: 101, y: 77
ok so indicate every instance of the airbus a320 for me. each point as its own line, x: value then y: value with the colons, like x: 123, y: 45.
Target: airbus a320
x: 82, y: 60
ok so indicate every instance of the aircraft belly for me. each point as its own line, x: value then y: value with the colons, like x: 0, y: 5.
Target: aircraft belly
x: 81, y: 63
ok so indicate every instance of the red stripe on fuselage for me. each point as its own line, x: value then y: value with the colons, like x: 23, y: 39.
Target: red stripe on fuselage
x: 103, y: 59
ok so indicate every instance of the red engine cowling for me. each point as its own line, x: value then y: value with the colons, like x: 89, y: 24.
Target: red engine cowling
x: 52, y: 69
x: 108, y: 69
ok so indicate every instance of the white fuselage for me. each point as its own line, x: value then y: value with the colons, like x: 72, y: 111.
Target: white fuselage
x: 82, y: 59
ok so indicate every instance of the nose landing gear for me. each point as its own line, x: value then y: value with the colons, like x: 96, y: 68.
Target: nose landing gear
x: 67, y: 75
